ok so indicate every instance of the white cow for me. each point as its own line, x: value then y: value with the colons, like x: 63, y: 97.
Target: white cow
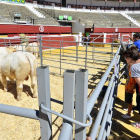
x: 18, y: 66
x: 5, y: 50
x: 31, y: 47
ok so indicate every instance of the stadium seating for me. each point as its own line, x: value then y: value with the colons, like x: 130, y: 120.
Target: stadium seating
x: 135, y: 16
x: 99, y: 19
x: 7, y: 12
x: 87, y: 19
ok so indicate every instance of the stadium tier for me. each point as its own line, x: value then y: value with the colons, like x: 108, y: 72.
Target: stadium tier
x: 50, y: 16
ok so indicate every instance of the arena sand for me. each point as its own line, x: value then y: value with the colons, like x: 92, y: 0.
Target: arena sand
x: 19, y: 128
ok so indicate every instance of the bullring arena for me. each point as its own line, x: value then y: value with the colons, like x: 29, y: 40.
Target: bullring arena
x: 68, y: 54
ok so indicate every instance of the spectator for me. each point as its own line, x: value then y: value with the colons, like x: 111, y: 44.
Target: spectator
x: 129, y: 91
x: 88, y: 38
x: 132, y: 58
x: 136, y: 40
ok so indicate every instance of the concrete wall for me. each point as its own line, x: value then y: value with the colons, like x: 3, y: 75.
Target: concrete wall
x: 77, y: 27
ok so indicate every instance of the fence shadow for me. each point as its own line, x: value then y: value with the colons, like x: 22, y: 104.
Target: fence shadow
x: 118, y: 130
x: 94, y: 80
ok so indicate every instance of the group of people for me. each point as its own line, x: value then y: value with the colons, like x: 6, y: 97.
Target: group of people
x: 132, y: 57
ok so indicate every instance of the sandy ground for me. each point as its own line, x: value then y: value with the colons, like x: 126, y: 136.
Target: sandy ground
x: 19, y: 128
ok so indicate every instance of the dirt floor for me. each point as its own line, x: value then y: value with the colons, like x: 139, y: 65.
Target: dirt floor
x: 19, y: 128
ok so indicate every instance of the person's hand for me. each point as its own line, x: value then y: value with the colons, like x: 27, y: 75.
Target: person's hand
x: 88, y: 138
x: 131, y: 38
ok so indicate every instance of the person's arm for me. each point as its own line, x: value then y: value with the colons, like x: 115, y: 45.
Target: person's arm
x: 131, y: 38
x: 137, y: 79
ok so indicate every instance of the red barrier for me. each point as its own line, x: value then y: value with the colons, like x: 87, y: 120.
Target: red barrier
x: 33, y: 29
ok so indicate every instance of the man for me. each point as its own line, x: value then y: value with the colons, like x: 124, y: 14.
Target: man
x: 136, y: 40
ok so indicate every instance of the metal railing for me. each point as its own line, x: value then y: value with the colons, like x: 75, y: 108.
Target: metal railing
x: 83, y: 106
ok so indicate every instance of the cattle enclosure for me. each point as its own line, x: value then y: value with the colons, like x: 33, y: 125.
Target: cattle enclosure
x: 92, y: 57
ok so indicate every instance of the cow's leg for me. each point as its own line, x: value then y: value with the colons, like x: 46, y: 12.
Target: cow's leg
x: 19, y: 89
x: 34, y: 86
x: 4, y: 82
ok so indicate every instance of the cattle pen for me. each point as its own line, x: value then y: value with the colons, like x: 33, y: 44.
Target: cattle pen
x: 84, y: 71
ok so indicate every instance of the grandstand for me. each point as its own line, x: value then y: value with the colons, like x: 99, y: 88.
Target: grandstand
x: 107, y: 17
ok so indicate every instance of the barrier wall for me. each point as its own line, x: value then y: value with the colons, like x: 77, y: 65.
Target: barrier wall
x: 33, y: 29
x: 109, y: 34
x: 113, y: 30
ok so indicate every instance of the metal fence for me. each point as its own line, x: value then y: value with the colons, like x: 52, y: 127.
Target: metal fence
x: 83, y: 106
x: 75, y: 95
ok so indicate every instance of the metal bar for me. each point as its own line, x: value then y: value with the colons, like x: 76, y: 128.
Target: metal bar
x: 76, y: 52
x: 84, y: 51
x: 40, y: 46
x: 68, y: 118
x: 81, y: 102
x: 121, y: 74
x: 106, y: 114
x: 86, y: 56
x: 19, y: 111
x: 110, y: 117
x: 77, y: 65
x: 49, y: 45
x: 93, y: 49
x: 44, y: 97
x: 56, y: 101
x: 101, y: 111
x: 97, y: 90
x: 104, y: 133
x: 81, y: 58
x: 9, y: 41
x: 65, y: 132
x: 60, y: 57
x: 68, y: 100
x: 122, y: 67
x: 120, y: 82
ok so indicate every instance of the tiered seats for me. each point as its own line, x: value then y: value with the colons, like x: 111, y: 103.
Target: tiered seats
x: 4, y: 20
x: 98, y: 19
x: 135, y: 16
x: 117, y: 20
x: 49, y: 20
x: 8, y: 11
x: 86, y: 19
x: 46, y: 21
